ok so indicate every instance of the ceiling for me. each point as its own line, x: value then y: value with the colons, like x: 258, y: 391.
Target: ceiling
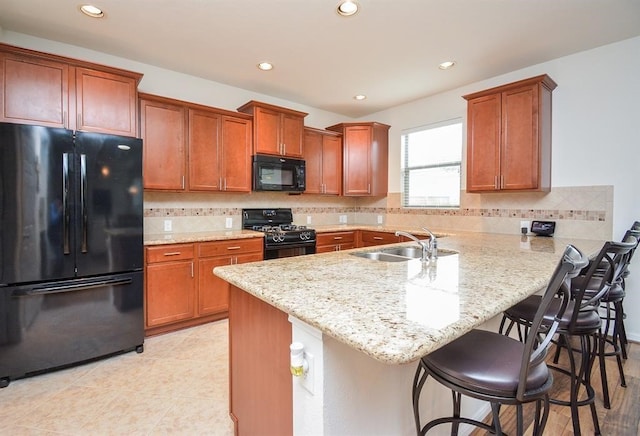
x: 389, y: 51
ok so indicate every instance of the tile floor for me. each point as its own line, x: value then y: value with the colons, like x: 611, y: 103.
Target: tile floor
x: 179, y: 385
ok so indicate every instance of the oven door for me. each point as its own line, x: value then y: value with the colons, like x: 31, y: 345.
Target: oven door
x: 289, y: 250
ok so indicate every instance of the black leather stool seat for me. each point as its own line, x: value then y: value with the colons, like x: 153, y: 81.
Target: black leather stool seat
x: 586, y: 322
x: 488, y: 363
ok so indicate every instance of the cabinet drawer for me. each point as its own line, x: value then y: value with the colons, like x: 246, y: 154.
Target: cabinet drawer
x: 335, y: 238
x: 378, y: 238
x: 223, y: 248
x: 167, y: 253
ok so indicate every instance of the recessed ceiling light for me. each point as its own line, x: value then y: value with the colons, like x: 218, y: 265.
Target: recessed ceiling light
x: 347, y: 8
x: 265, y: 66
x: 446, y: 65
x: 92, y: 11
x: 359, y: 97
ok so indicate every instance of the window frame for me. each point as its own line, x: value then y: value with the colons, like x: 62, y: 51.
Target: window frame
x: 406, y: 168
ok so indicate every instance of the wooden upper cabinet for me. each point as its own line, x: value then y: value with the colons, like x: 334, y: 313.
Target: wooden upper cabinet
x: 34, y: 91
x: 49, y: 90
x: 190, y: 147
x: 277, y: 130
x: 162, y: 127
x: 365, y: 158
x: 204, y: 136
x: 219, y: 152
x: 235, y: 162
x: 323, y: 157
x: 509, y: 137
x: 106, y: 102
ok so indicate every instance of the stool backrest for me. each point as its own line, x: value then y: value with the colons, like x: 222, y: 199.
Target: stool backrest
x: 604, y: 271
x: 546, y: 321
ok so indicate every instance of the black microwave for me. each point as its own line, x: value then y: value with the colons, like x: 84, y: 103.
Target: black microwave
x: 272, y: 173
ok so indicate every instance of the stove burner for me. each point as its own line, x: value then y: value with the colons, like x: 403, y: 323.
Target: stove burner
x: 282, y: 238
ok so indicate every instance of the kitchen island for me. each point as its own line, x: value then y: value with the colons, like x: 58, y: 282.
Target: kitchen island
x: 364, y: 324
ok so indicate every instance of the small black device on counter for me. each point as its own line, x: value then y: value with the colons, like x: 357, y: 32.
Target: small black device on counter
x: 543, y: 228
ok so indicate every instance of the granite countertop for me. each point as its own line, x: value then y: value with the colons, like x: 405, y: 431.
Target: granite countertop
x: 396, y: 312
x: 219, y: 235
x: 184, y: 238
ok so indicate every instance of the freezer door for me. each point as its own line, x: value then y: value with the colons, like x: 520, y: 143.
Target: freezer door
x: 109, y: 232
x: 36, y: 203
x: 49, y: 325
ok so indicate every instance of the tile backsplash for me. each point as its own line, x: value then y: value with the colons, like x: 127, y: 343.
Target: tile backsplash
x: 579, y: 212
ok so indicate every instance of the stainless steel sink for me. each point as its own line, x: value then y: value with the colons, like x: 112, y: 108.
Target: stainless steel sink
x: 384, y: 257
x: 399, y: 254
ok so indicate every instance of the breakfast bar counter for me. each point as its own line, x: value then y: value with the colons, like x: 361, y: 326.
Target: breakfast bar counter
x: 365, y: 322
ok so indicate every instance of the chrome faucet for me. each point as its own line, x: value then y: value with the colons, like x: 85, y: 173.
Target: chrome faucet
x: 429, y: 248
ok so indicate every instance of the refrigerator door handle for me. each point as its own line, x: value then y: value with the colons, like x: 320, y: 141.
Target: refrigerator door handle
x: 70, y: 287
x: 66, y: 208
x: 83, y: 201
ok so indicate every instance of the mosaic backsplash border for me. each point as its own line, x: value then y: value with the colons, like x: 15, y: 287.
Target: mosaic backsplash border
x: 577, y: 215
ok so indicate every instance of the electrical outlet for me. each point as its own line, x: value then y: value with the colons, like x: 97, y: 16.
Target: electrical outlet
x: 379, y: 219
x: 309, y: 377
x: 308, y: 219
x: 228, y: 223
x: 167, y: 225
x: 343, y: 219
x: 525, y: 225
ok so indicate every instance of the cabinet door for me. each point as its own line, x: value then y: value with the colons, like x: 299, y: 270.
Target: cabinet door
x: 332, y: 164
x: 163, y: 134
x: 291, y: 135
x: 266, y: 131
x: 213, y: 292
x: 520, y: 154
x: 170, y: 292
x: 313, y: 162
x: 204, y: 153
x: 236, y: 154
x: 371, y: 238
x: 357, y: 158
x: 483, y: 143
x: 34, y: 91
x: 106, y: 102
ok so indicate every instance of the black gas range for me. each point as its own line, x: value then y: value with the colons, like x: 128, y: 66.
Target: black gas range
x: 281, y: 237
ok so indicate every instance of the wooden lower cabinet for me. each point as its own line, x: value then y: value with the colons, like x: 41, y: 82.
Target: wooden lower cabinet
x: 260, y: 384
x: 370, y: 238
x: 170, y: 284
x: 213, y: 292
x: 335, y: 241
x: 180, y: 287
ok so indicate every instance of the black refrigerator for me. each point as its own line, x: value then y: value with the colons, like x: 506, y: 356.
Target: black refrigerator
x: 71, y: 248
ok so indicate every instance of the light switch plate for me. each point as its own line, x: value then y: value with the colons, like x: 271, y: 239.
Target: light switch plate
x: 379, y: 219
x: 228, y: 222
x: 308, y: 219
x: 167, y: 225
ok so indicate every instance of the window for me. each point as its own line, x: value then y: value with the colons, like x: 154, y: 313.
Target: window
x: 431, y: 160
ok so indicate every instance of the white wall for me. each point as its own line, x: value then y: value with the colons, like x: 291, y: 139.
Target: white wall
x: 596, y: 132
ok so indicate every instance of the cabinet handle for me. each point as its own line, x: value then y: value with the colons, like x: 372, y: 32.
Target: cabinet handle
x: 234, y: 248
x: 369, y: 188
x: 220, y: 183
x: 191, y: 269
x: 378, y: 238
x: 495, y: 182
x: 502, y: 181
x: 225, y: 183
x: 337, y: 238
x: 172, y: 253
x: 284, y: 148
x: 182, y: 182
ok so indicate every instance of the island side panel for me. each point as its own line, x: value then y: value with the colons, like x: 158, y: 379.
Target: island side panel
x: 261, y: 392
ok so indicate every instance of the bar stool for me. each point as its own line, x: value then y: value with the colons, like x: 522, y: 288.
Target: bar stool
x: 581, y: 320
x: 614, y: 320
x: 498, y: 369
